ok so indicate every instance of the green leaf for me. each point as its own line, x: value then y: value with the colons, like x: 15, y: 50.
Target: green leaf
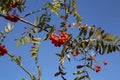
x: 47, y: 36
x: 54, y: 7
x: 91, y: 31
x: 9, y: 26
x: 97, y: 32
x: 79, y: 78
x: 68, y: 57
x: 78, y: 72
x: 106, y: 36
x: 39, y: 72
x: 74, y: 4
x: 55, y: 10
x: 115, y: 40
x: 27, y: 39
x: 57, y: 74
x: 18, y: 43
x: 91, y: 44
x: 6, y: 30
x: 85, y: 27
x: 104, y: 49
x: 87, y: 76
x: 18, y: 60
x: 97, y: 45
x: 35, y: 30
x: 22, y: 41
x: 49, y: 33
x: 90, y: 67
x: 35, y: 21
x: 31, y: 36
x: 108, y: 40
x: 34, y: 55
x: 80, y: 66
x: 24, y: 79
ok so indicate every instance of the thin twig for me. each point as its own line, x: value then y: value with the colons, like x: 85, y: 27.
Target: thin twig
x: 39, y: 10
x: 13, y: 58
x: 30, y: 23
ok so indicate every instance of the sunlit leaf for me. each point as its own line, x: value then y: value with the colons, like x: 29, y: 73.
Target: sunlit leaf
x: 27, y: 39
x: 91, y: 44
x: 68, y: 57
x: 35, y: 21
x: 9, y: 27
x: 34, y: 55
x: 18, y: 43
x: 78, y: 72
x: 6, y: 30
x: 106, y: 36
x: 39, y: 72
x: 115, y: 39
x: 18, y: 60
x: 108, y: 40
x: 91, y: 31
x: 85, y: 27
x: 97, y: 32
x: 22, y: 41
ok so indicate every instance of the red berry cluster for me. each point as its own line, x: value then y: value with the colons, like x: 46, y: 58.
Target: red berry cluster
x: 3, y: 50
x: 75, y: 54
x: 59, y: 40
x: 12, y: 17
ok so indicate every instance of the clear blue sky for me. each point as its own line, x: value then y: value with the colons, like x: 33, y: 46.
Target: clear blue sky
x: 102, y: 13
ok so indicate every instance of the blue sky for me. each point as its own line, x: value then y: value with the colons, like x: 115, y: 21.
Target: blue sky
x: 102, y: 13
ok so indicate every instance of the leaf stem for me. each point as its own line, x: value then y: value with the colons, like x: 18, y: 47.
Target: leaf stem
x: 13, y: 58
x: 38, y: 10
x: 30, y: 23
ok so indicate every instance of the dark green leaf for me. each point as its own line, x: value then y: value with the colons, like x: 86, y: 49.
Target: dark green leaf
x: 85, y: 28
x: 90, y: 67
x: 78, y: 72
x: 57, y: 74
x: 79, y: 78
x: 80, y: 66
x: 91, y: 31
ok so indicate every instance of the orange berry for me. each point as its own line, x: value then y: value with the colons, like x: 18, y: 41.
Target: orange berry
x: 74, y: 54
x: 98, y: 68
x: 105, y: 62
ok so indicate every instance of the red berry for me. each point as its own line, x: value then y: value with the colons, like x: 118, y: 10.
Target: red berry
x: 59, y: 40
x: 3, y: 50
x: 105, y: 62
x: 12, y: 17
x: 89, y: 59
x: 78, y: 52
x: 74, y: 54
x: 98, y: 68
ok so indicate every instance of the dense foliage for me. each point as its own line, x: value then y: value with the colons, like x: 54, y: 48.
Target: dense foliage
x: 89, y: 43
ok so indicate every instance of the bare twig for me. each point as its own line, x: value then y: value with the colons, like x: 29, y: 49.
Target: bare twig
x: 39, y: 10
